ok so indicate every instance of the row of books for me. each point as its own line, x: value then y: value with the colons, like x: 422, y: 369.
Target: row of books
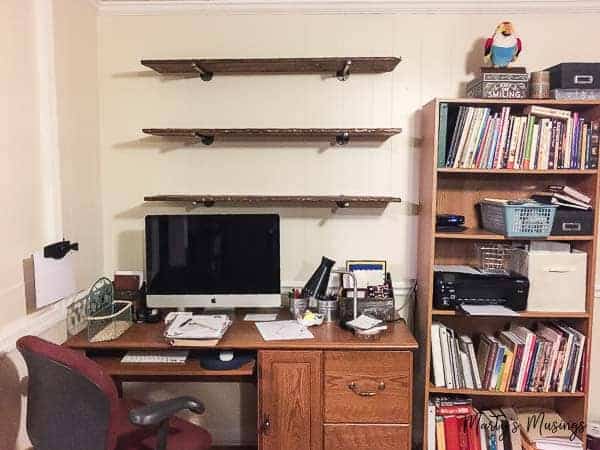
x: 453, y: 424
x: 543, y: 138
x: 549, y: 359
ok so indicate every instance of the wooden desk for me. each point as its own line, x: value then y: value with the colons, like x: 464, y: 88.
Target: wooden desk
x: 332, y: 392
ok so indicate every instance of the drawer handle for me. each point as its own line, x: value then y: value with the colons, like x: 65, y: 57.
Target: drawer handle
x: 354, y: 388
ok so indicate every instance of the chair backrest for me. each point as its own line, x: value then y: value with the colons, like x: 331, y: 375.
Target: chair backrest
x: 71, y: 403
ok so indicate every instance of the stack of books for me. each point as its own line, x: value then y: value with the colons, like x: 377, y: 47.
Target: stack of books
x: 549, y: 359
x: 565, y: 196
x: 544, y: 429
x: 542, y: 138
x: 455, y: 425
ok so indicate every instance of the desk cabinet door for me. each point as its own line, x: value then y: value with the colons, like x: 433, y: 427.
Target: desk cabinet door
x: 290, y: 400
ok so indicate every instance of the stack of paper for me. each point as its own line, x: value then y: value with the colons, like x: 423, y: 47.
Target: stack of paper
x: 197, y: 330
x: 367, y: 324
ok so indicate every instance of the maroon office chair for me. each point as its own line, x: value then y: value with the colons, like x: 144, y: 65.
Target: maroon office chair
x: 73, y: 405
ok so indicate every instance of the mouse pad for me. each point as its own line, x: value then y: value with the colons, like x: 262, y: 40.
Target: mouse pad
x: 211, y: 361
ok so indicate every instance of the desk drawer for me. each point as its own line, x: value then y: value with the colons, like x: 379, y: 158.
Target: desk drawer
x: 366, y: 437
x: 367, y: 386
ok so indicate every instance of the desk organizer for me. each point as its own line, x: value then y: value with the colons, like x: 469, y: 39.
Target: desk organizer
x: 107, y: 318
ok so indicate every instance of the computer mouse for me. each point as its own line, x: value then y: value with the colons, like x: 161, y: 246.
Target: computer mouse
x: 226, y: 355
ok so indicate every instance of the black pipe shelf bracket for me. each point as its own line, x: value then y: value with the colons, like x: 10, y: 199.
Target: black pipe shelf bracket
x: 206, y: 139
x: 342, y: 138
x: 204, y: 74
x: 344, y: 73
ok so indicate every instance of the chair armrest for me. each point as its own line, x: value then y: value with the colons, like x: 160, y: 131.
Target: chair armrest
x: 155, y: 413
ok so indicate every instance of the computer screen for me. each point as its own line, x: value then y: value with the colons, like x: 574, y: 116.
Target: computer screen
x: 218, y: 260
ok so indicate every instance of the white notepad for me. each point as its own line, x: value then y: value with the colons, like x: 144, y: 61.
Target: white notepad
x: 283, y: 330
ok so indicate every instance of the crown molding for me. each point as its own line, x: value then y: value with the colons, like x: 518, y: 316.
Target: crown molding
x: 155, y: 7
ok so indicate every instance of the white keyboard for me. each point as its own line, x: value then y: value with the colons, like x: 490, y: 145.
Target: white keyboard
x: 158, y: 357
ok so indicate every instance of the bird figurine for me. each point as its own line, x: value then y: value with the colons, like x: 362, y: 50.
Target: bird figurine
x: 503, y: 47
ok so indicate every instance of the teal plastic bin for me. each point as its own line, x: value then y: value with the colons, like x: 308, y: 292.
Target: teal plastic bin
x: 522, y: 220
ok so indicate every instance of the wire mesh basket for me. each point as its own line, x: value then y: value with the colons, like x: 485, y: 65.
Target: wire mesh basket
x: 493, y: 257
x: 527, y: 219
x: 107, y: 318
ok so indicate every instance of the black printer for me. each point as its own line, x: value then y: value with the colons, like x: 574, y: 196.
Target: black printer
x: 454, y: 288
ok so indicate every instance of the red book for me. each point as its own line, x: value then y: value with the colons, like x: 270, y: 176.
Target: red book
x: 454, y: 410
x: 463, y: 437
x: 452, y: 433
x: 473, y: 432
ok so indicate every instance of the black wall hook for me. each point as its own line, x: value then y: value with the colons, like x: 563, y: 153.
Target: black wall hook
x: 60, y: 249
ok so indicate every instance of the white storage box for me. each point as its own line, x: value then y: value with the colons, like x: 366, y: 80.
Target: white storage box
x: 557, y: 280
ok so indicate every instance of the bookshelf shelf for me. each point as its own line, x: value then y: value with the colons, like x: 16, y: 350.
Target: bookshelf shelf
x: 571, y: 104
x: 480, y: 234
x: 483, y: 393
x: 522, y: 314
x: 444, y: 170
x: 458, y: 191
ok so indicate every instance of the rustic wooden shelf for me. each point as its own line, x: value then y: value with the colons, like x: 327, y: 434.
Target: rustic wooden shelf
x: 339, y: 136
x: 484, y: 393
x: 341, y: 67
x: 340, y: 201
x: 480, y: 234
x: 522, y: 314
x: 520, y: 171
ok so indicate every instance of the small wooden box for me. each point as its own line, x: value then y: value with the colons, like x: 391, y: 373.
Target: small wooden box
x: 504, y: 83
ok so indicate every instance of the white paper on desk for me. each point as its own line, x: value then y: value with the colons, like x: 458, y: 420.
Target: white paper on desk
x: 54, y: 278
x: 260, y: 317
x: 283, y: 330
x: 488, y: 310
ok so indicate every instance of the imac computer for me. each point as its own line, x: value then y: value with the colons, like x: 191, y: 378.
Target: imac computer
x: 220, y: 261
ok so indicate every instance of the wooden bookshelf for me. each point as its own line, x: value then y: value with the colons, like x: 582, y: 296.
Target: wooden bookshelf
x: 448, y: 190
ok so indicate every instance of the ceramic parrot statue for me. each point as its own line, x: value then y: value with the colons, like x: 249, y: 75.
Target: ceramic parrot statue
x: 503, y: 47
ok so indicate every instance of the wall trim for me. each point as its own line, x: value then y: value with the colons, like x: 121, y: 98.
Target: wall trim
x: 507, y: 7
x: 33, y: 324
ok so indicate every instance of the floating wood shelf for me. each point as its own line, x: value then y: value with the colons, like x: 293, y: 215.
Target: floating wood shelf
x: 339, y: 136
x: 206, y: 68
x: 285, y: 200
x: 480, y: 234
x: 484, y: 393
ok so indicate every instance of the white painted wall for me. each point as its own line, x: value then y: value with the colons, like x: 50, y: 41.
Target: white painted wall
x: 440, y: 55
x: 49, y: 178
x: 104, y: 97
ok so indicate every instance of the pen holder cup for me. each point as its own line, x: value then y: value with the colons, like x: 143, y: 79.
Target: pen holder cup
x: 298, y: 307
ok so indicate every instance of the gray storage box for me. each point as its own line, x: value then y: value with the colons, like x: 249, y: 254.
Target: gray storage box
x: 575, y: 75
